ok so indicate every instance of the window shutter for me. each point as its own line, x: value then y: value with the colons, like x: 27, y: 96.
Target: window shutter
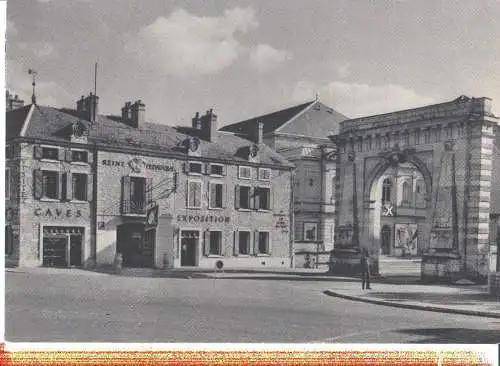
x: 90, y: 157
x: 38, y: 183
x: 62, y: 154
x: 255, y: 243
x: 251, y: 198
x: 224, y: 170
x: 188, y: 193
x: 185, y: 167
x: 206, y: 243
x: 149, y: 190
x: 256, y: 198
x: 67, y: 182
x: 207, y: 168
x: 60, y: 183
x: 237, y: 196
x: 38, y: 152
x: 224, y: 196
x: 126, y: 193
x: 236, y: 248
x: 270, y: 198
x: 269, y: 243
x: 68, y: 157
x: 90, y: 187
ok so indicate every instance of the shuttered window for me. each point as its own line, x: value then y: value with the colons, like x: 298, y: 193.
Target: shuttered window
x: 244, y: 242
x: 216, y: 195
x: 79, y: 186
x: 7, y: 184
x: 215, y: 244
x: 194, y: 194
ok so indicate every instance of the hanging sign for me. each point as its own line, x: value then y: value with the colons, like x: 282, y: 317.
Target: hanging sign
x: 152, y: 218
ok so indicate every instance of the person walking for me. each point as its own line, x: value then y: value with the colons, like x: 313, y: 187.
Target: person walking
x: 365, y: 269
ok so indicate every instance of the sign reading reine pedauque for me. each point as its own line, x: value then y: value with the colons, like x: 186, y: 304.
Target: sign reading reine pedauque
x: 137, y: 164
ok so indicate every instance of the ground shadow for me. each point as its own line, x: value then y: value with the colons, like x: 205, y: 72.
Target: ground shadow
x: 436, y: 298
x: 453, y: 335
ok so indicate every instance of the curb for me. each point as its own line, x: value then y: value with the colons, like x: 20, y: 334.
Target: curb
x: 436, y: 309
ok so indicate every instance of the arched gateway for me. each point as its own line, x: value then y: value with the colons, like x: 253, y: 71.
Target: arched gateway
x: 418, y: 183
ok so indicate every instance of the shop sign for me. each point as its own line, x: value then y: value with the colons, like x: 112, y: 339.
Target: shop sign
x: 137, y: 165
x: 203, y: 218
x: 152, y: 218
x: 282, y: 223
x: 57, y: 213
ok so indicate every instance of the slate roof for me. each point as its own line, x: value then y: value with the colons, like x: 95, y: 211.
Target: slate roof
x: 55, y: 124
x: 16, y: 120
x: 312, y: 119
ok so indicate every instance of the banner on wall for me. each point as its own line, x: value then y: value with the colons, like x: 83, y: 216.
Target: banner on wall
x: 406, y: 238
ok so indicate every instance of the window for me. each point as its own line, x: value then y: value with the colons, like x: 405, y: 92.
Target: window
x: 79, y: 156
x: 136, y: 194
x: 245, y: 172
x: 262, y: 197
x: 263, y: 244
x: 310, y: 231
x: 7, y: 184
x: 79, y: 185
x: 311, y: 182
x: 215, y: 245
x: 406, y: 193
x: 216, y: 169
x: 195, y: 168
x: 194, y: 194
x: 406, y: 139
x: 51, y: 153
x: 216, y: 195
x: 50, y: 184
x: 244, y: 242
x: 9, y: 240
x: 264, y: 174
x: 386, y: 190
x: 242, y: 196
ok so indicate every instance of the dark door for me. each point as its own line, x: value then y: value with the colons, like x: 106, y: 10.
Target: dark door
x: 132, y: 244
x: 75, y: 250
x: 188, y: 252
x: 54, y: 251
x: 386, y: 240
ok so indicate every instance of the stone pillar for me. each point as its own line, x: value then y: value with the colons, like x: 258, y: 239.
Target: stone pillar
x: 475, y: 257
x: 164, y: 249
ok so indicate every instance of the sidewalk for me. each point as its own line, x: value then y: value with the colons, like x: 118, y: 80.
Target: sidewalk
x: 466, y: 300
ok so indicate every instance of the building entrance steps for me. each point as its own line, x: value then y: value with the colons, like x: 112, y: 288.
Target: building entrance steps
x: 408, y: 266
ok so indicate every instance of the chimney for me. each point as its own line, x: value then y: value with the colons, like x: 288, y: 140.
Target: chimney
x: 126, y: 112
x: 260, y: 133
x: 89, y: 105
x: 137, y: 114
x: 209, y: 126
x: 196, y: 121
x: 13, y: 102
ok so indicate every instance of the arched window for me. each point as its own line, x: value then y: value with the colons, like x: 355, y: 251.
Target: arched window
x: 406, y: 193
x: 386, y: 190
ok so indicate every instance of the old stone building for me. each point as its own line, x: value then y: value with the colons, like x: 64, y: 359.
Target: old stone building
x: 430, y: 172
x: 84, y: 187
x: 300, y: 134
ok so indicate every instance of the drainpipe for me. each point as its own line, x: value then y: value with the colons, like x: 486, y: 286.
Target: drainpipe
x: 322, y: 203
x: 292, y: 220
x: 93, y: 209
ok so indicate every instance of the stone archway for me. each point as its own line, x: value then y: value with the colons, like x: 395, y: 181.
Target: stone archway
x: 460, y: 132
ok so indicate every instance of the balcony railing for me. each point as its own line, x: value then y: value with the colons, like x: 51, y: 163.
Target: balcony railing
x: 133, y: 207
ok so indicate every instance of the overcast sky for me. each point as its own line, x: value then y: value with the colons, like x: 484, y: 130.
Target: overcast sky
x: 248, y: 57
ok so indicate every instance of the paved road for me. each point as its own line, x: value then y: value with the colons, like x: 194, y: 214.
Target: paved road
x: 97, y: 307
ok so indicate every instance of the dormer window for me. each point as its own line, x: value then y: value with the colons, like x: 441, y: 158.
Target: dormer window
x: 216, y: 169
x: 245, y: 172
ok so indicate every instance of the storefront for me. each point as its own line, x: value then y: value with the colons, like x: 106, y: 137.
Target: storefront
x: 63, y: 246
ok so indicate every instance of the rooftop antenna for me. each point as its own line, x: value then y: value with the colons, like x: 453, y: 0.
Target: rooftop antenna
x: 94, y: 100
x: 34, y: 73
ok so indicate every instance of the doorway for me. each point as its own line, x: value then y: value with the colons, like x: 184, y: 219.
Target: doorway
x: 385, y: 237
x: 75, y: 250
x: 189, y: 244
x: 62, y: 246
x: 135, y: 245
